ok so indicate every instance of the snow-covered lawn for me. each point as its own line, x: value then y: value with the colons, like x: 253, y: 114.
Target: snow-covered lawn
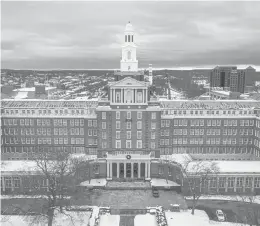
x: 200, y: 218
x: 162, y: 182
x: 69, y: 218
x: 147, y: 219
x: 109, y: 220
x: 27, y: 196
x: 256, y: 199
x: 94, y: 182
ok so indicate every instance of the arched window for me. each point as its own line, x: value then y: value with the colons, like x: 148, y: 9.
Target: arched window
x: 128, y: 38
x: 125, y: 38
x: 129, y: 55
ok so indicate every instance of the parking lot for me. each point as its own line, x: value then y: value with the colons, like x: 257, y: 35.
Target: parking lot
x: 234, y: 211
x: 121, y: 199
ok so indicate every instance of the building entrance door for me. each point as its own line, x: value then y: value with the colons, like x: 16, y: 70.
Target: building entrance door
x: 128, y: 170
x: 121, y: 170
x: 135, y: 170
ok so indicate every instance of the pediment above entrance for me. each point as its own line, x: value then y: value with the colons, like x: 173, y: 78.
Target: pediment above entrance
x: 128, y: 82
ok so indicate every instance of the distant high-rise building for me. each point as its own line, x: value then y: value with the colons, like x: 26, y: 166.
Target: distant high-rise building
x: 228, y: 77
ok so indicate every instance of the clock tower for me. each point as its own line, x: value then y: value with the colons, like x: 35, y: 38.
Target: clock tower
x: 129, y: 62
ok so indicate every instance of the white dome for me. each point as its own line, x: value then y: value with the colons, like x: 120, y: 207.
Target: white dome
x: 129, y: 27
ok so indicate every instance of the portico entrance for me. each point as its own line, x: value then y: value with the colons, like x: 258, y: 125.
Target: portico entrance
x: 133, y: 166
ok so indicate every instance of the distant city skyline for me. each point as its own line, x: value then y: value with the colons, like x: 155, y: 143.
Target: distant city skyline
x: 88, y: 35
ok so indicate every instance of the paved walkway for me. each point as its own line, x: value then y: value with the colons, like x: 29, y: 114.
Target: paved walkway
x: 131, y: 199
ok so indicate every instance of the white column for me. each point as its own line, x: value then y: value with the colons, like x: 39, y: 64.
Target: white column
x: 3, y: 183
x: 117, y: 169
x: 114, y: 95
x: 143, y: 95
x: 12, y: 183
x: 111, y: 172
x: 217, y: 184
x: 226, y: 185
x: 146, y: 95
x: 132, y: 95
x: 253, y: 184
x: 132, y: 170
x: 235, y: 185
x: 244, y: 184
x: 121, y: 95
x: 145, y: 173
x: 139, y: 170
x: 111, y: 95
x: 107, y: 169
x: 124, y: 170
x: 148, y: 170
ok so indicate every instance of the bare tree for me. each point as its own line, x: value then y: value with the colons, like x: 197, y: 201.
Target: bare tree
x: 56, y: 173
x: 250, y: 210
x: 198, y: 173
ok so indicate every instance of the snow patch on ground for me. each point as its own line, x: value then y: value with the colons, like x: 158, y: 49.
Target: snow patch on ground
x: 27, y: 197
x: 94, y: 216
x: 109, y: 220
x: 200, y: 218
x: 94, y: 182
x: 67, y: 218
x: 147, y: 219
x: 255, y: 199
x: 162, y: 182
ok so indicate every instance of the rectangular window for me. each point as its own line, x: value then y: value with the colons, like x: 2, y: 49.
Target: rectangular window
x: 89, y: 123
x: 153, y: 115
x: 104, y: 125
x: 139, y: 124
x: 22, y: 122
x: 128, y: 125
x: 117, y: 134
x: 94, y: 123
x: 118, y: 143
x: 90, y: 132
x: 128, y: 135
x: 128, y: 115
x: 139, y: 144
x: 118, y: 115
x: 153, y: 125
x: 152, y: 135
x: 139, y: 115
x: 128, y: 144
x: 167, y: 123
x: 117, y: 124
x: 152, y: 145
x: 104, y: 135
x: 104, y: 115
x: 139, y: 135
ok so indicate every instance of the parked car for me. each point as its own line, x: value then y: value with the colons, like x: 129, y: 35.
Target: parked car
x: 175, y: 208
x: 155, y: 193
x: 220, y: 215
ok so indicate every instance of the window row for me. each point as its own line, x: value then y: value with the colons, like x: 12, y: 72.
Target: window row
x: 128, y: 144
x: 205, y: 150
x: 207, y: 112
x: 49, y: 112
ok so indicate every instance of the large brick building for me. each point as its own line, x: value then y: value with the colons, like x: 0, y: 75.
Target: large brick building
x: 130, y: 131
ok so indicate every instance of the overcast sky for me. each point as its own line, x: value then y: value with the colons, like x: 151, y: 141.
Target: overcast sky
x: 87, y: 35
